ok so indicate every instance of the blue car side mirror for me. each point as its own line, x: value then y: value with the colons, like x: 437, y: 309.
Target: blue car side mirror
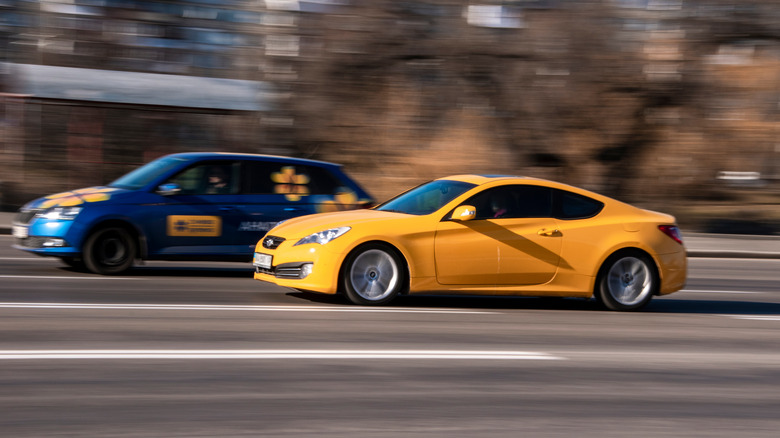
x: 168, y: 189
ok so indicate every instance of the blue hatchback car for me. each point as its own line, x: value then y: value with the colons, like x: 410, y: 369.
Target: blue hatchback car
x: 190, y: 206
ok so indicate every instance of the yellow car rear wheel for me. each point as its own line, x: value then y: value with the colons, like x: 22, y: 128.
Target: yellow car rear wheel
x: 627, y: 281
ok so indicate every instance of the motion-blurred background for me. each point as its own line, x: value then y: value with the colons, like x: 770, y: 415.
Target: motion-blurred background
x: 668, y: 104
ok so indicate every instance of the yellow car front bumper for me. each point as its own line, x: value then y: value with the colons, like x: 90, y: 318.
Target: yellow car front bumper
x: 325, y: 266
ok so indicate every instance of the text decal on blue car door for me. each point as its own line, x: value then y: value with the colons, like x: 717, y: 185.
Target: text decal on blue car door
x: 201, y: 226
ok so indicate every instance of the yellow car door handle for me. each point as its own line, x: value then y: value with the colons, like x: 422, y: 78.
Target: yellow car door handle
x: 549, y: 233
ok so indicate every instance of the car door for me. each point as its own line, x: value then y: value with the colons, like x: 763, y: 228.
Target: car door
x: 513, y: 240
x: 202, y: 218
x: 272, y: 191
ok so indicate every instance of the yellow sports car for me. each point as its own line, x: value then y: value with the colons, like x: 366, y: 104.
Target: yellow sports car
x: 481, y: 235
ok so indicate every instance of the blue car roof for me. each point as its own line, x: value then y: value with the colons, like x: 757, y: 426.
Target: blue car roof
x: 244, y: 156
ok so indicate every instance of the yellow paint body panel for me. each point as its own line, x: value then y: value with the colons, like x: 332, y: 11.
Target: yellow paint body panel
x: 527, y: 256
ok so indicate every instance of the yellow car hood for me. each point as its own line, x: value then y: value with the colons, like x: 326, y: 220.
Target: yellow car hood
x: 304, y: 225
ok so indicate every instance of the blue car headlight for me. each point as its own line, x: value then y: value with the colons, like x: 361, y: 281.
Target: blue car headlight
x: 60, y: 213
x: 323, y: 237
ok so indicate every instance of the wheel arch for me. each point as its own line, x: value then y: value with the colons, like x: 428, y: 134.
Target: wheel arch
x: 627, y: 250
x: 386, y: 244
x: 138, y: 236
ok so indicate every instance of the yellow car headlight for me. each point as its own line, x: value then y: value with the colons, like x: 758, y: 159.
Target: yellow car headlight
x: 323, y: 237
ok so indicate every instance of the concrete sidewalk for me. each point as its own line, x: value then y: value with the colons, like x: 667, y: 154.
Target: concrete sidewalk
x: 698, y: 244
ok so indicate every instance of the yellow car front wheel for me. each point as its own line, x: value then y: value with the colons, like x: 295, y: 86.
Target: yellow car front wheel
x: 373, y: 275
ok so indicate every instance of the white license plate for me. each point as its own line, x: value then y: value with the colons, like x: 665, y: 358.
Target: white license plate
x: 263, y: 260
x: 20, y: 232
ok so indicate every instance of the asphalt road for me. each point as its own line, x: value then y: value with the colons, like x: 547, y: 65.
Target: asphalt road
x: 201, y: 350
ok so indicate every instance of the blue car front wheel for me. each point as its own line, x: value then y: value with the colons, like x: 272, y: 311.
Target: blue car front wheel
x: 109, y: 251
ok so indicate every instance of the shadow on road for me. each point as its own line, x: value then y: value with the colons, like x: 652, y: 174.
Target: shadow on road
x: 179, y: 271
x: 465, y: 302
x: 659, y: 305
x: 156, y: 271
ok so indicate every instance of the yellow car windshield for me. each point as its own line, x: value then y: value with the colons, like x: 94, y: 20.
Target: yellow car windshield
x: 426, y: 198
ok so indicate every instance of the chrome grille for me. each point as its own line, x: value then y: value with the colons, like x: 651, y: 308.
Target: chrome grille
x: 31, y: 242
x: 288, y: 272
x: 272, y: 242
x: 25, y: 216
x: 260, y: 270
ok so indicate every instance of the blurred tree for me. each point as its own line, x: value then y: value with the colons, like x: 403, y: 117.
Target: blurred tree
x: 617, y: 96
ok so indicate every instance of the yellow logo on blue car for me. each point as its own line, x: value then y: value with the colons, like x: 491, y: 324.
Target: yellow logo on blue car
x: 194, y: 226
x: 78, y: 197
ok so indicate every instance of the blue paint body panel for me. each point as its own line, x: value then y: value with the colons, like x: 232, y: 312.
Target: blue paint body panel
x: 195, y: 218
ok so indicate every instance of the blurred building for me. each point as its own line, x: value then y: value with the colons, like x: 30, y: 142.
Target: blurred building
x: 651, y: 101
x: 92, y: 88
x: 212, y: 38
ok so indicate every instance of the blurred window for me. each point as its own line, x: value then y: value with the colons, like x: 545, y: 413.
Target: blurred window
x: 146, y: 173
x: 210, y: 61
x: 516, y: 201
x: 322, y: 182
x: 426, y: 198
x: 208, y: 178
x: 15, y: 19
x: 267, y: 177
x: 241, y: 16
x: 573, y: 206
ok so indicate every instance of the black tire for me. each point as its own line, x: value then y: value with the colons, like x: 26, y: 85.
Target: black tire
x: 374, y: 274
x: 627, y: 281
x: 109, y: 251
x: 74, y: 262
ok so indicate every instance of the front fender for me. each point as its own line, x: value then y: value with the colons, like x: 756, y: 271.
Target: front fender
x: 98, y: 220
x: 415, y: 249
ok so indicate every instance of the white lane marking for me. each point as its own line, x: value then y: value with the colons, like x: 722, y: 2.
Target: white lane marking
x: 276, y: 354
x: 54, y: 277
x: 755, y: 317
x: 235, y: 307
x: 709, y: 291
x: 53, y: 259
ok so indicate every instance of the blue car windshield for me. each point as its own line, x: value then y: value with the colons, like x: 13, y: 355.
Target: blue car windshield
x: 147, y: 173
x: 426, y: 198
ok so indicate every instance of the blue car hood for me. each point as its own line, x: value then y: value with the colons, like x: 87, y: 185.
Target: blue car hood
x: 79, y: 197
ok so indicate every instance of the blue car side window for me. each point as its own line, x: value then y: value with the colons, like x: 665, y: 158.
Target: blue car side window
x: 210, y: 178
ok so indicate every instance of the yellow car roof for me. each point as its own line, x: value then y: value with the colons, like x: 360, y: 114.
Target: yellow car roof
x: 483, y: 179
x: 480, y: 179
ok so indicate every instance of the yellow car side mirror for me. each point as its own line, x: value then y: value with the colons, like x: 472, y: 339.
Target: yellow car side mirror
x: 464, y: 213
